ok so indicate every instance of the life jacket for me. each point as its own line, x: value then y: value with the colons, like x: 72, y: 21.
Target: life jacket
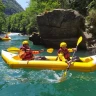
x: 28, y: 53
x: 65, y: 52
x: 6, y: 36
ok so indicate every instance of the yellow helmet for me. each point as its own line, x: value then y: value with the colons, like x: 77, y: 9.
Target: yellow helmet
x: 25, y: 42
x: 63, y: 44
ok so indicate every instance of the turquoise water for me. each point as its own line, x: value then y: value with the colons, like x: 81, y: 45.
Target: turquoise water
x: 28, y: 82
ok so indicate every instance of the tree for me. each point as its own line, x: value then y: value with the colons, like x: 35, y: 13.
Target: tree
x: 2, y: 16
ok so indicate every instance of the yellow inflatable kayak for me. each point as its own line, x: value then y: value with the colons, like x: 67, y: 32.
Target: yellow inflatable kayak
x: 5, y: 39
x: 87, y: 64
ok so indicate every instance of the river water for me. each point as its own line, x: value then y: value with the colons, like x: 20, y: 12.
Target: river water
x: 29, y: 82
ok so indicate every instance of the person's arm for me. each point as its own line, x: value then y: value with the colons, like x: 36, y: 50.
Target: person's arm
x: 72, y: 49
x: 22, y: 53
x: 37, y: 51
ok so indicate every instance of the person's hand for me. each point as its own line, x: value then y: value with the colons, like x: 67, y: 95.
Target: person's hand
x: 69, y: 61
x: 42, y: 50
x: 74, y: 49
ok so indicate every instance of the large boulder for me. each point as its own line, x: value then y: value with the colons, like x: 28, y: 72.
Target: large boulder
x: 35, y: 38
x: 60, y: 25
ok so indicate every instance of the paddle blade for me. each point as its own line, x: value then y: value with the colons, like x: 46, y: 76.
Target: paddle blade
x: 50, y: 50
x: 79, y: 40
x: 13, y: 49
x: 63, y: 78
x: 17, y: 57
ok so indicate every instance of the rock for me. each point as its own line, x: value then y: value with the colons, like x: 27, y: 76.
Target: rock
x: 35, y: 38
x: 61, y: 25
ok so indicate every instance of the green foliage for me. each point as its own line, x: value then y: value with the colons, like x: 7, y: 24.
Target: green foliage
x: 2, y: 16
x: 91, y: 18
x: 25, y: 21
x: 92, y: 5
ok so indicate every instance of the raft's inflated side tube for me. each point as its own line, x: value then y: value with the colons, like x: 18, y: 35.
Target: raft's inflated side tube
x: 94, y: 59
x: 88, y: 64
x: 5, y: 39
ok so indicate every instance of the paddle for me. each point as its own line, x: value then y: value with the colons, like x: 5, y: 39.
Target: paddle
x: 65, y: 73
x: 17, y: 57
x: 15, y: 49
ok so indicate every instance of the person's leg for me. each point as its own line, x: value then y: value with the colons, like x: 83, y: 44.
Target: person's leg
x: 77, y: 59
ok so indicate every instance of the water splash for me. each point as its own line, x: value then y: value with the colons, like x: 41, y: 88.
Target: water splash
x: 65, y: 77
x: 56, y: 77
x: 18, y: 76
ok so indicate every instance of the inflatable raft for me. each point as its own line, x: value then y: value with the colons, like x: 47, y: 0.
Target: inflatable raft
x: 5, y: 39
x: 87, y: 64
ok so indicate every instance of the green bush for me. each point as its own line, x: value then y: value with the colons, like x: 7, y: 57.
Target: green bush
x: 91, y: 18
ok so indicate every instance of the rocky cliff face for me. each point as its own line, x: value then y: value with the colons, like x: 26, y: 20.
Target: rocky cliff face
x: 60, y: 25
x: 11, y: 7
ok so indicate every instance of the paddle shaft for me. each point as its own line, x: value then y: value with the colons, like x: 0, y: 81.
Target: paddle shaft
x: 79, y: 40
x: 15, y: 49
x: 65, y: 73
x: 71, y: 60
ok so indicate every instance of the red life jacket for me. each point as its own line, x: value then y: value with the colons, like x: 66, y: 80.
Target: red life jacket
x: 65, y: 53
x: 28, y: 53
x: 6, y: 36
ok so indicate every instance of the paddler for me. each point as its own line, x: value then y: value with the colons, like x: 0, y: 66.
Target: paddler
x: 63, y: 53
x: 26, y: 53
